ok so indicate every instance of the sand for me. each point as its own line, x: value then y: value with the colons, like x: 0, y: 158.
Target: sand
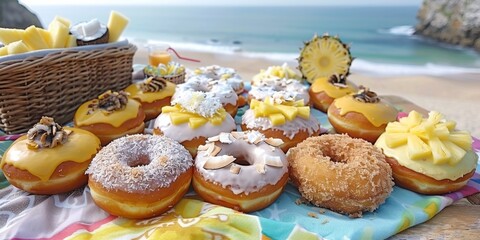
x: 456, y: 96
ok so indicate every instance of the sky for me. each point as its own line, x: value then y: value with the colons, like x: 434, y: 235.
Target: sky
x: 229, y: 3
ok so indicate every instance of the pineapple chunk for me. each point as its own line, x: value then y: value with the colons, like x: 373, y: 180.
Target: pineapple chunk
x: 299, y: 103
x: 116, y: 24
x: 424, y: 131
x: 9, y: 35
x: 59, y: 33
x: 396, y: 127
x: 268, y: 100
x: 414, y: 118
x: 217, y: 119
x: 266, y: 109
x: 196, y: 122
x: 417, y: 149
x: 394, y: 140
x: 46, y: 36
x: 63, y: 20
x: 17, y: 47
x: 461, y: 139
x: 178, y: 118
x: 71, y: 41
x: 304, y: 112
x: 434, y: 117
x: 288, y: 111
x: 254, y: 103
x: 440, y: 153
x: 457, y: 152
x: 33, y: 39
x: 167, y: 109
x: 277, y: 119
x: 450, y: 125
x: 3, y: 51
x: 441, y: 131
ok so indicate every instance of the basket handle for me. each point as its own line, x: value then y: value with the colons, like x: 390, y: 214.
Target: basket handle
x: 180, y: 57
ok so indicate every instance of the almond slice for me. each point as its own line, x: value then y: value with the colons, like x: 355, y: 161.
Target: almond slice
x: 225, y: 138
x: 235, y: 169
x: 273, y: 161
x: 260, y: 168
x: 238, y: 135
x: 218, y: 162
x: 215, y: 151
x: 214, y: 139
x: 254, y: 137
x: 204, y: 147
x: 275, y: 142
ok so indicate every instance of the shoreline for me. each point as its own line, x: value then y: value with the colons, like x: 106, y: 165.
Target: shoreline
x: 454, y: 95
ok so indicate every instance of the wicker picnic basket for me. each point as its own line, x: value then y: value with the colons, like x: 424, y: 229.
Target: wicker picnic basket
x: 56, y: 83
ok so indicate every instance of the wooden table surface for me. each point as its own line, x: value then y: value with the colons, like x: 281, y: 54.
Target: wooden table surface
x: 460, y: 220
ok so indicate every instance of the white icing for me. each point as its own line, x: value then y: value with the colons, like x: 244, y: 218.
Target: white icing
x: 183, y: 132
x: 285, y: 87
x: 248, y: 180
x: 215, y: 72
x: 211, y: 88
x: 167, y: 160
x: 289, y: 129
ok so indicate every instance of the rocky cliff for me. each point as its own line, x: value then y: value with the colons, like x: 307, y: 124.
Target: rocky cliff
x: 451, y: 21
x: 15, y: 15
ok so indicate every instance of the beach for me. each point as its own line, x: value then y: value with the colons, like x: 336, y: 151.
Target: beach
x: 455, y: 95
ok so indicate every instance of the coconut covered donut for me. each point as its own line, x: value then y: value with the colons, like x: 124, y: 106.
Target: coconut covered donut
x: 273, y: 74
x: 221, y: 74
x: 286, y: 88
x: 222, y: 91
x: 341, y: 173
x: 140, y: 176
x: 241, y: 170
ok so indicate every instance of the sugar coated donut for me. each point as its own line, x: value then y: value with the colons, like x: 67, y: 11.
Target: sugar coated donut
x: 50, y: 159
x: 428, y: 155
x: 241, y: 170
x: 341, y: 173
x: 362, y: 115
x: 326, y: 89
x: 140, y: 176
x: 286, y: 88
x: 221, y: 74
x: 110, y: 116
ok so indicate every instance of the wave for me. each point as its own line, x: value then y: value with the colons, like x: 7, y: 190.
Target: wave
x: 404, y: 30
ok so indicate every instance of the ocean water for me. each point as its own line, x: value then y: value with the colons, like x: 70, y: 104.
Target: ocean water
x: 381, y: 38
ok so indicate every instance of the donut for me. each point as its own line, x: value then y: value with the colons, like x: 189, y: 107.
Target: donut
x: 287, y: 120
x: 222, y: 91
x: 344, y: 174
x: 153, y: 93
x: 273, y: 74
x: 221, y: 74
x: 362, y: 115
x: 240, y: 170
x: 50, y: 159
x: 286, y: 88
x: 326, y: 89
x: 110, y: 116
x: 428, y: 155
x: 192, y: 119
x: 140, y: 176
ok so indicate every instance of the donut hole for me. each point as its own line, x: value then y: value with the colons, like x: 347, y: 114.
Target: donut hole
x: 335, y: 155
x: 140, y: 160
x: 242, y: 161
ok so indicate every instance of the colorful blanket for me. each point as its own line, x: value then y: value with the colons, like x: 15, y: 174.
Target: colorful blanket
x: 75, y: 216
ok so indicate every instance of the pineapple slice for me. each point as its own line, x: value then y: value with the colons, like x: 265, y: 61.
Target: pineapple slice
x: 217, y: 119
x: 33, y: 39
x: 277, y: 119
x: 116, y: 24
x: 288, y: 111
x: 46, y: 36
x: 63, y: 20
x: 178, y: 118
x: 304, y: 112
x: 450, y: 125
x: 71, y: 41
x: 441, y: 131
x: 254, y: 103
x: 299, y: 103
x: 196, y: 122
x: 9, y: 35
x: 3, y: 51
x: 424, y: 131
x: 323, y: 57
x: 266, y: 109
x: 457, y: 152
x: 168, y: 109
x: 414, y: 118
x: 462, y: 139
x: 17, y: 47
x: 440, y: 152
x: 417, y: 149
x: 59, y: 33
x: 396, y: 127
x: 394, y: 140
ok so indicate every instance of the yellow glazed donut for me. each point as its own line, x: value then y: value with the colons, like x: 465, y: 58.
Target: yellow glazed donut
x: 140, y: 176
x: 326, y: 89
x: 50, y: 159
x: 240, y: 170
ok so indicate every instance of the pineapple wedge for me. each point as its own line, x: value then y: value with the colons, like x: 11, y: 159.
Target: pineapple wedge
x: 394, y: 140
x: 196, y: 122
x: 440, y: 152
x: 462, y: 139
x: 59, y: 33
x: 417, y: 149
x: 167, y: 109
x: 288, y: 111
x: 178, y: 118
x: 9, y: 35
x: 304, y: 112
x: 323, y: 57
x: 17, y: 47
x: 116, y: 24
x: 277, y: 119
x: 414, y: 118
x: 396, y: 127
x: 33, y: 39
x: 457, y: 153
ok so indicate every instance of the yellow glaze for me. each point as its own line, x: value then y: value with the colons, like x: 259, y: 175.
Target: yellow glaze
x: 115, y: 119
x: 376, y: 113
x: 280, y: 113
x: 42, y: 162
x: 149, y: 97
x: 322, y: 84
x: 179, y: 115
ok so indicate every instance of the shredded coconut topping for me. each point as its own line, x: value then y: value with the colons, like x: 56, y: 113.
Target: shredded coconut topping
x: 139, y: 163
x: 198, y: 102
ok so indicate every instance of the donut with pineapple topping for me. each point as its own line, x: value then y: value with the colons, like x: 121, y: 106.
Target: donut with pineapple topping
x: 362, y: 115
x: 192, y: 119
x: 110, y: 116
x: 428, y: 155
x: 344, y: 174
x: 153, y: 93
x: 326, y: 89
x: 50, y: 159
x: 140, y: 176
x: 286, y: 119
x: 240, y: 170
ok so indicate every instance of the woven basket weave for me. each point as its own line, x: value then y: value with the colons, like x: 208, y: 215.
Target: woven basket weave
x: 57, y: 83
